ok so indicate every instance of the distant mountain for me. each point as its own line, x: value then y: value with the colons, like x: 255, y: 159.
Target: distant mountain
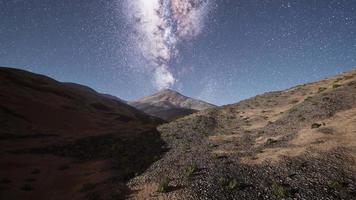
x: 66, y: 136
x: 169, y: 105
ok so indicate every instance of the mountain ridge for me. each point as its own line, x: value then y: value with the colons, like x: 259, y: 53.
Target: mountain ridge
x: 169, y: 104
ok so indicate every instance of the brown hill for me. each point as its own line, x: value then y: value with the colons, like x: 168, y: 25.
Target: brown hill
x: 294, y: 144
x: 169, y: 105
x: 66, y: 141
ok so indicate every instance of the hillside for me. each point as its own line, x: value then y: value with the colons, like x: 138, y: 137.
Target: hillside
x: 114, y: 98
x: 66, y: 141
x: 299, y: 143
x: 169, y: 105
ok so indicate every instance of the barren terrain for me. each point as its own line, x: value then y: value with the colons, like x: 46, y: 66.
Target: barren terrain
x: 299, y: 143
x: 66, y: 141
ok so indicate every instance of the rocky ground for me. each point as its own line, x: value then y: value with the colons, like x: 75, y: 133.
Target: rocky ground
x: 295, y: 144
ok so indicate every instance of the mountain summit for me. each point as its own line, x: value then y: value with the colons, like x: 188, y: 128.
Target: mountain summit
x: 169, y: 104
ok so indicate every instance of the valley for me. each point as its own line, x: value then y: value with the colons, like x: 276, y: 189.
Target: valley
x: 64, y: 140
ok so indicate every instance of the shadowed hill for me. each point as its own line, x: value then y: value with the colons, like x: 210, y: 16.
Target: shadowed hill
x: 299, y: 143
x: 66, y: 141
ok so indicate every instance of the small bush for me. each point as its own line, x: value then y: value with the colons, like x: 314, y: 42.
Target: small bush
x: 308, y: 98
x: 338, y: 79
x: 222, y: 181
x: 335, y: 185
x: 271, y: 141
x: 315, y: 103
x: 301, y: 117
x: 315, y: 125
x: 190, y: 170
x: 341, y: 188
x: 280, y: 190
x: 211, y: 145
x: 321, y: 89
x: 232, y: 185
x: 336, y: 85
x: 163, y: 186
x: 186, y: 147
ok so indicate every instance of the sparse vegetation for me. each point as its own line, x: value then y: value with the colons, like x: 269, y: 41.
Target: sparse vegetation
x: 337, y: 80
x: 163, y: 185
x: 280, y: 190
x: 229, y: 183
x: 321, y: 89
x: 315, y: 125
x: 211, y: 145
x: 190, y: 170
x: 301, y: 117
x: 233, y: 184
x: 341, y: 188
x: 315, y: 103
x: 308, y: 98
x: 271, y: 141
x: 336, y: 85
x: 186, y: 146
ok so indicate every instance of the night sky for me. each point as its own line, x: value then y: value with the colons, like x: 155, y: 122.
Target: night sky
x: 221, y: 51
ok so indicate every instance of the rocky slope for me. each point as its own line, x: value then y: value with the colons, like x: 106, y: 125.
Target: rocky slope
x: 66, y: 141
x: 294, y: 144
x: 169, y: 105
